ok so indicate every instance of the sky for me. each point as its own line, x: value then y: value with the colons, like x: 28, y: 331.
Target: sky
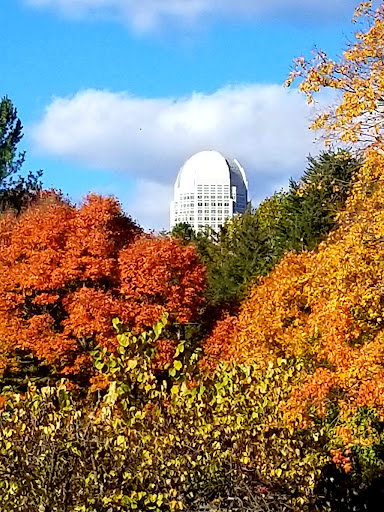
x: 114, y: 95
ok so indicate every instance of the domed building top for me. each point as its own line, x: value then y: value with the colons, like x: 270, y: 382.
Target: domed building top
x: 209, y: 188
x: 208, y: 167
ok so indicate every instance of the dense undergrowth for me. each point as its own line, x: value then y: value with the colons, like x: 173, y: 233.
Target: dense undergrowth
x: 159, y: 442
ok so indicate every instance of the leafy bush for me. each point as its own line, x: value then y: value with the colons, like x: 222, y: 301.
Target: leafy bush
x: 153, y: 441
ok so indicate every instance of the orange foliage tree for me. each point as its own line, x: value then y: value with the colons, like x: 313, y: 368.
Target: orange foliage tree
x: 161, y: 275
x: 66, y: 272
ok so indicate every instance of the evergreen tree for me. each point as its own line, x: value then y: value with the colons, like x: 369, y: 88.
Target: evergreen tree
x: 184, y: 232
x: 233, y: 256
x: 271, y: 214
x: 249, y: 245
x: 311, y: 204
x: 15, y: 191
x: 11, y: 133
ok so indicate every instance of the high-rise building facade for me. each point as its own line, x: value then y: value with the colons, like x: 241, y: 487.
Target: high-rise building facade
x: 209, y: 189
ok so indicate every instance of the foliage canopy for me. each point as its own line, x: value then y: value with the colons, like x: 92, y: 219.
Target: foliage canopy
x: 66, y: 272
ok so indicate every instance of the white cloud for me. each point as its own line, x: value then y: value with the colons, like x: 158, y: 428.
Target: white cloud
x: 147, y: 14
x: 150, y: 205
x: 264, y: 126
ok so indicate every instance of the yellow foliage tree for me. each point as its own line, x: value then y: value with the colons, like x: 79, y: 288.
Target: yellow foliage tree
x: 358, y: 75
x: 327, y: 307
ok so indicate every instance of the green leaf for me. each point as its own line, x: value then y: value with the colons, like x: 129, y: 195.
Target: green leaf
x: 178, y: 365
x: 131, y: 364
x: 99, y: 365
x: 123, y: 340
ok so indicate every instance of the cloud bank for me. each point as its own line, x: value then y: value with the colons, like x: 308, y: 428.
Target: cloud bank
x: 264, y: 126
x: 145, y: 15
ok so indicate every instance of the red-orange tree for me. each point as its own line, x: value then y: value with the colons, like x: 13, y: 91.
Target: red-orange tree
x: 66, y: 272
x: 161, y: 275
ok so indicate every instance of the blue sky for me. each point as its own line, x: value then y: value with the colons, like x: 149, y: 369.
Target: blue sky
x: 115, y: 94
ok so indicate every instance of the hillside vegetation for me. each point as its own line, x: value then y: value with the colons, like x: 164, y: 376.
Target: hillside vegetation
x: 242, y: 370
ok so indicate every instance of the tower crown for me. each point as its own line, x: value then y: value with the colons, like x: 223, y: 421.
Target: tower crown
x: 209, y: 189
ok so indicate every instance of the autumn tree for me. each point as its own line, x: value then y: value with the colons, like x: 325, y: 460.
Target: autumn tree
x: 159, y: 275
x: 324, y: 308
x: 56, y: 259
x: 275, y: 309
x: 67, y: 271
x: 358, y: 75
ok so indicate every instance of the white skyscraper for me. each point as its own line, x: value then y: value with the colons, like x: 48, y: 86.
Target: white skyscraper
x: 209, y: 189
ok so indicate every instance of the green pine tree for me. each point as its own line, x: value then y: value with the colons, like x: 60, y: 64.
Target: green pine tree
x: 311, y: 204
x: 184, y: 232
x: 15, y: 190
x: 233, y: 257
x: 11, y: 133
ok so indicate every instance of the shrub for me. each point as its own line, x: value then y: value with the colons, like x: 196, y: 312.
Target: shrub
x: 158, y: 442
